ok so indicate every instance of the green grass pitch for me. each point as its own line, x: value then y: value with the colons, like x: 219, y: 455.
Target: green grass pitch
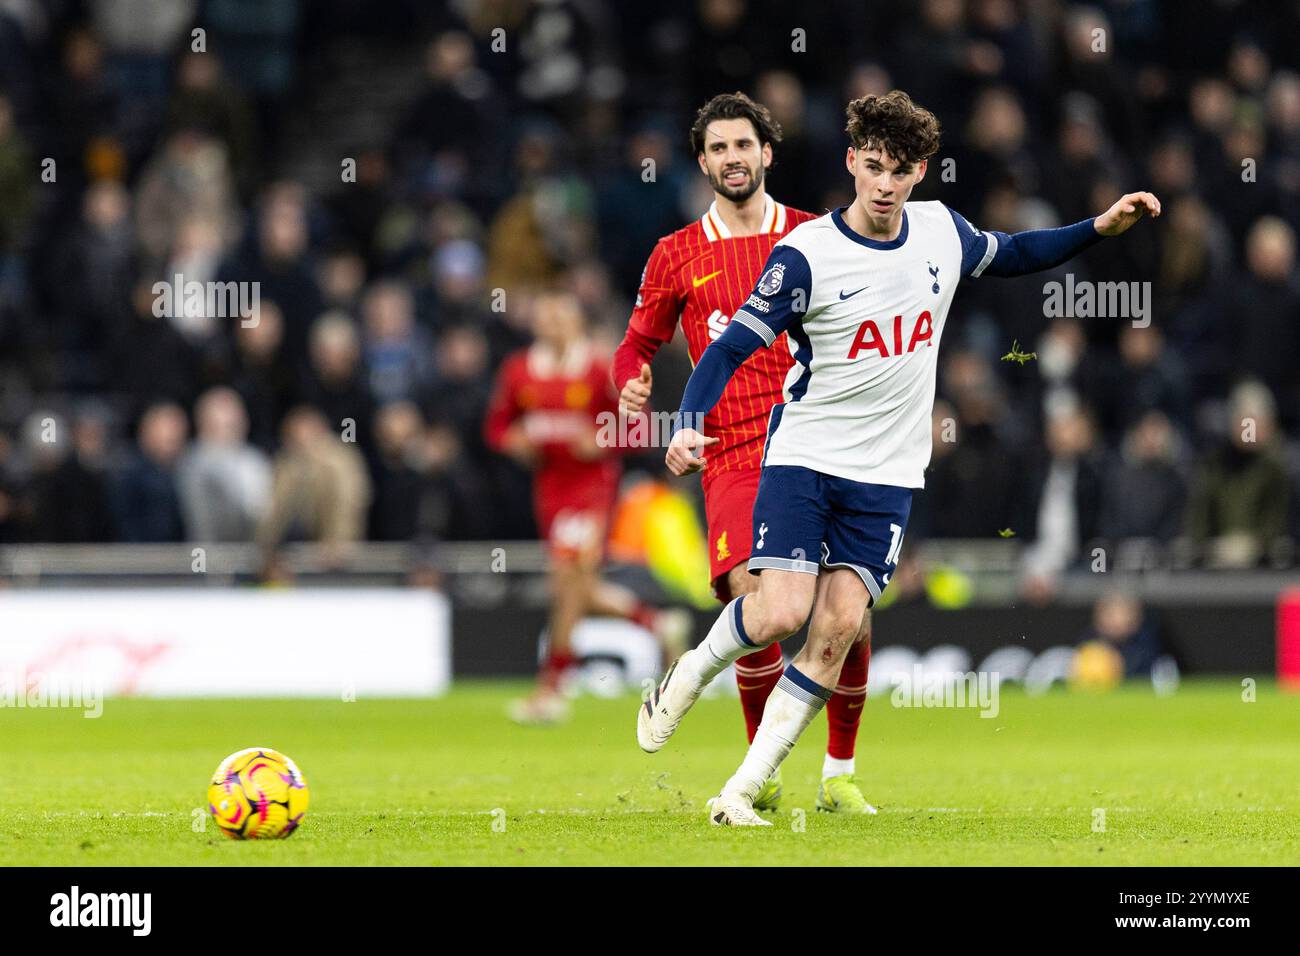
x: 1198, y: 778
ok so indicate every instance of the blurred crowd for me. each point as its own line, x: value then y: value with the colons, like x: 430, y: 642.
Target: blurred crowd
x: 536, y: 143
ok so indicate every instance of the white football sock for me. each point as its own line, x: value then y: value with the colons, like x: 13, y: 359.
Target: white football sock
x: 835, y: 767
x: 726, y: 642
x: 789, y: 710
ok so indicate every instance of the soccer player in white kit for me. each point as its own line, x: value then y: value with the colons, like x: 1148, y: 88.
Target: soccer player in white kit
x: 863, y: 294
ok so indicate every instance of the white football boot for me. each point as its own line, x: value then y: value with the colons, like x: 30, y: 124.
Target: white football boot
x: 734, y: 810
x: 658, y: 717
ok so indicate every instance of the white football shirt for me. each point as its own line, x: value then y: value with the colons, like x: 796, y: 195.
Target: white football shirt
x: 864, y: 319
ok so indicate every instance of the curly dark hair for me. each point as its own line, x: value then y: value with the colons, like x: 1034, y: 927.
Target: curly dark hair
x: 893, y: 124
x: 736, y: 105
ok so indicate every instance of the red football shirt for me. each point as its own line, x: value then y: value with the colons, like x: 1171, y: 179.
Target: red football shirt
x: 701, y: 275
x: 557, y: 404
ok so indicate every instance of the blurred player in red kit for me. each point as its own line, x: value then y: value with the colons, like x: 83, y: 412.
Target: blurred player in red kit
x: 700, y: 275
x: 543, y: 414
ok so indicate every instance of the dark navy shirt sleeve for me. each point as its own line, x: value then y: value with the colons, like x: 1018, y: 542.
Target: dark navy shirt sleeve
x: 779, y: 300
x: 781, y: 296
x: 1001, y: 254
x: 709, y: 380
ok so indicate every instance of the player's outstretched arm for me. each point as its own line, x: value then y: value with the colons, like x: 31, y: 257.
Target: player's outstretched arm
x: 705, y: 386
x: 1009, y: 255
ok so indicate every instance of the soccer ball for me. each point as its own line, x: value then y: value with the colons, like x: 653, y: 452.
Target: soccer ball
x: 257, y: 794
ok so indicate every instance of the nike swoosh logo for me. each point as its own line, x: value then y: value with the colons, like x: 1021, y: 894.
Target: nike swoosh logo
x: 750, y: 686
x: 851, y: 294
x: 855, y: 706
x: 697, y: 281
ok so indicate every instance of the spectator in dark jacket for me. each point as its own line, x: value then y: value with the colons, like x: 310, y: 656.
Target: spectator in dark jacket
x: 279, y: 258
x: 1149, y: 376
x: 336, y: 383
x: 398, y: 484
x: 1265, y: 315
x: 66, y: 498
x: 261, y: 374
x: 971, y: 477
x: 146, y: 506
x: 1146, y: 494
x: 1063, y: 493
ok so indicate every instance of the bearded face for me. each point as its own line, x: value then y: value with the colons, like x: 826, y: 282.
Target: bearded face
x: 733, y: 159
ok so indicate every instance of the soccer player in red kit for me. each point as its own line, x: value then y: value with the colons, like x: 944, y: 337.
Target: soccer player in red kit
x: 700, y: 275
x: 543, y: 414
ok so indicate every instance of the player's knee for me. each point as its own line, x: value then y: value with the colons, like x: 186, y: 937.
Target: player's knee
x: 781, y: 621
x: 768, y: 621
x: 779, y: 608
x: 842, y: 627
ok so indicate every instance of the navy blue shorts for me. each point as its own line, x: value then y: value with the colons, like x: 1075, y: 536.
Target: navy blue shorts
x: 805, y: 520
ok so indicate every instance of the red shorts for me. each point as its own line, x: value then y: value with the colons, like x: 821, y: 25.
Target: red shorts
x: 573, y: 522
x: 729, y: 510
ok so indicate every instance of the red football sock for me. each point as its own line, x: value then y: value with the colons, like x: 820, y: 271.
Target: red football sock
x: 844, y: 709
x: 756, y: 676
x: 557, y: 664
x: 644, y: 615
